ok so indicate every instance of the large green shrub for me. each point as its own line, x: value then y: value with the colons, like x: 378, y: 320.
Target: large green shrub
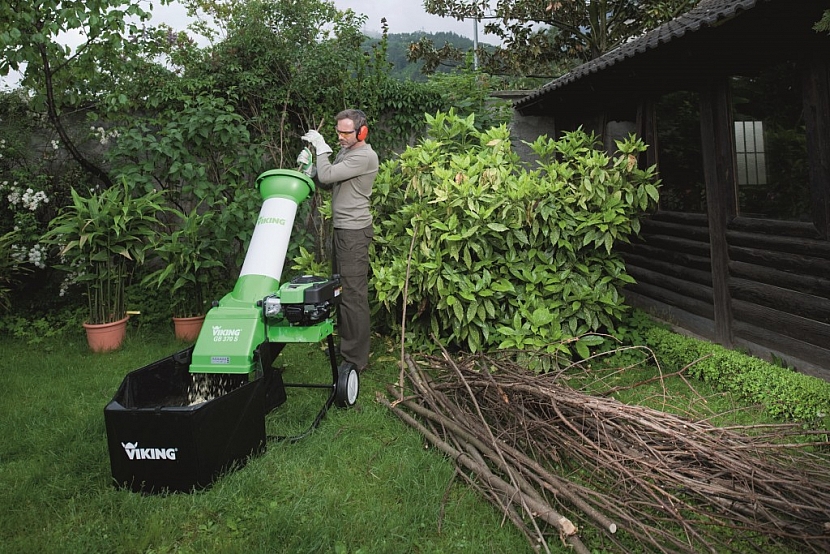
x: 503, y: 256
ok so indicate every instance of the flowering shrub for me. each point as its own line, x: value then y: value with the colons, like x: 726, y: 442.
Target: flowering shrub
x: 26, y: 190
x: 24, y: 205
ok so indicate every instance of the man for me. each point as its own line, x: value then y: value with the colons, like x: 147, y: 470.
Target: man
x: 350, y: 178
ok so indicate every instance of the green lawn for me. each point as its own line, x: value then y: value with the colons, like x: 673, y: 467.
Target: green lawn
x: 362, y: 482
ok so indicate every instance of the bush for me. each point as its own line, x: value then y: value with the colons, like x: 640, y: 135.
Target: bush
x: 785, y: 394
x: 502, y: 256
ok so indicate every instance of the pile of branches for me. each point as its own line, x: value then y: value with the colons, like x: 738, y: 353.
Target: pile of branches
x: 556, y: 460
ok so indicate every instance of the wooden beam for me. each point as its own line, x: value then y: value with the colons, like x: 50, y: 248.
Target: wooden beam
x: 781, y: 299
x: 718, y: 170
x: 671, y: 298
x: 702, y: 277
x: 817, y: 121
x: 798, y: 282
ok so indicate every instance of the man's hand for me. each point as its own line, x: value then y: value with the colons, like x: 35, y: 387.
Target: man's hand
x: 318, y: 142
x: 304, y: 158
x: 304, y: 163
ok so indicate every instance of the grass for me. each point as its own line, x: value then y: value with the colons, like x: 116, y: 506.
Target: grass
x: 361, y: 483
x: 687, y: 397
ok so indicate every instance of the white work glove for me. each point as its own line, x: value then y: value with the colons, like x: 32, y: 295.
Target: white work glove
x: 304, y: 163
x: 318, y: 142
x: 304, y: 158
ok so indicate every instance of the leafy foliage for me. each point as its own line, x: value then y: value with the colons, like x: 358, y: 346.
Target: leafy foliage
x: 198, y: 150
x: 502, y: 256
x: 190, y: 254
x: 62, y: 79
x: 784, y: 393
x: 101, y: 237
x: 544, y: 37
x: 823, y: 25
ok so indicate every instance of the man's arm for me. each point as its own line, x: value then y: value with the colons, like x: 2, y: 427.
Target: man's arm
x: 352, y: 165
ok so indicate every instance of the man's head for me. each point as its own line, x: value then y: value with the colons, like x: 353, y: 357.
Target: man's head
x: 351, y: 128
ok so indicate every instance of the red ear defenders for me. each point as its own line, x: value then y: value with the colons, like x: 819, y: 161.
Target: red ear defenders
x: 363, y: 130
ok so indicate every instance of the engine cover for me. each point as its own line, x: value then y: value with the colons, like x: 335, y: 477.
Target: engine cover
x: 309, y: 299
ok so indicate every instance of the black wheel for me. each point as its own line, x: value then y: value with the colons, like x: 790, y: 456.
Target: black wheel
x: 348, y: 385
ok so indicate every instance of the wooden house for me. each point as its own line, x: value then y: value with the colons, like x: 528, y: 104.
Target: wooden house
x: 733, y: 99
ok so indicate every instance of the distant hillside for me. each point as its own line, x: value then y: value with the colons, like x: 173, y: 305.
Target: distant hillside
x: 399, y: 46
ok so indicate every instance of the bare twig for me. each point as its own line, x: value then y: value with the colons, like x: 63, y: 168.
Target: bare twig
x: 670, y: 483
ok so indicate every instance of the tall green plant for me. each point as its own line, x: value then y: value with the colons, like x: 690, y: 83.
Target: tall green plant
x: 503, y: 256
x: 100, y: 238
x: 190, y: 256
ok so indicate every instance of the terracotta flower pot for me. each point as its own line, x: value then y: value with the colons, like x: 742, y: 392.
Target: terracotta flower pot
x: 106, y: 337
x: 187, y: 328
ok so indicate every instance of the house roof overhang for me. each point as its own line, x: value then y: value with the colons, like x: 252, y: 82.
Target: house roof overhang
x: 716, y: 38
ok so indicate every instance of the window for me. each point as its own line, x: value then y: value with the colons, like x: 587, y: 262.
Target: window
x: 679, y: 153
x: 750, y: 154
x: 771, y: 145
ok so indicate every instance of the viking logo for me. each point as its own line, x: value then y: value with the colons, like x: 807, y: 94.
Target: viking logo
x: 262, y: 220
x: 135, y: 453
x: 220, y: 332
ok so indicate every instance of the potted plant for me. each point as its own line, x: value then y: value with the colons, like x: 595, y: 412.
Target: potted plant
x: 190, y: 256
x: 101, y: 238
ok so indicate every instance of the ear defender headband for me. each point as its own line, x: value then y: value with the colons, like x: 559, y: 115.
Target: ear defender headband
x: 362, y: 129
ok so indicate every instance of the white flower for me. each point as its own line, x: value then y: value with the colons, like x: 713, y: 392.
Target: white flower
x: 32, y: 200
x: 37, y: 256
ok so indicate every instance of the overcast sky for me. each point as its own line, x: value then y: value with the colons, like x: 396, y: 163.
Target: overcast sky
x: 403, y: 16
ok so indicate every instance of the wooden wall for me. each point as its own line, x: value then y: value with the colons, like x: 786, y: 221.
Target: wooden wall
x: 760, y: 285
x: 778, y: 282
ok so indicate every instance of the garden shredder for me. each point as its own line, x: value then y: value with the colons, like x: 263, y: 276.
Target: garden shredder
x: 178, y: 423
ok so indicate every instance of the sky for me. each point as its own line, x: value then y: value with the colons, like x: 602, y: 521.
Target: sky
x: 402, y: 16
x: 406, y: 16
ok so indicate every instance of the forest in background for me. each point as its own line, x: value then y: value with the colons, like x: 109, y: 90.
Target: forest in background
x: 398, y: 48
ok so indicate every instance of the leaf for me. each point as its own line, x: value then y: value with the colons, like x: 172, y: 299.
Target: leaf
x: 497, y: 227
x: 582, y: 349
x: 472, y: 311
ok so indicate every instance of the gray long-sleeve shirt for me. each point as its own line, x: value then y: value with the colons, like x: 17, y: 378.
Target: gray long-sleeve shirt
x: 351, y: 177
